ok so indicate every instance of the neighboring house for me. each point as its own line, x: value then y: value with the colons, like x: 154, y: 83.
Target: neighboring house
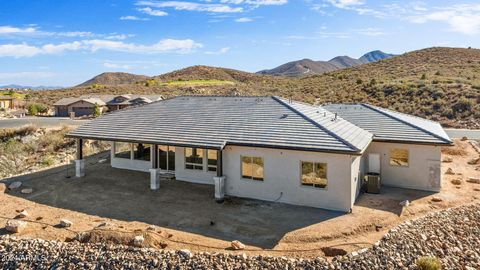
x: 85, y: 105
x: 11, y: 103
x: 78, y: 106
x: 271, y: 149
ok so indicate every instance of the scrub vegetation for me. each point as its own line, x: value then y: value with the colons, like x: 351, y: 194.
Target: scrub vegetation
x: 442, y: 84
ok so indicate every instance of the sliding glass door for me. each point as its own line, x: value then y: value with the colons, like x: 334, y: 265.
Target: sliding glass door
x: 166, y: 157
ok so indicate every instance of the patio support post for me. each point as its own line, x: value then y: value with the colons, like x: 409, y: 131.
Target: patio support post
x: 154, y: 171
x: 79, y: 161
x: 219, y: 179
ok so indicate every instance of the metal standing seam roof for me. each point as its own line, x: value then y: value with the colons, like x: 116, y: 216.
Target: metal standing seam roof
x: 388, y: 125
x: 213, y: 122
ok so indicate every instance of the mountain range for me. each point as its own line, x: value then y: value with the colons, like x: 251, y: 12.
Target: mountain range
x: 22, y: 87
x: 308, y: 67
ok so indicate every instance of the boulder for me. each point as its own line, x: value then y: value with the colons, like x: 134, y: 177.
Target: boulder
x: 449, y: 171
x: 65, y: 223
x: 23, y: 214
x: 474, y: 161
x: 138, y: 240
x: 473, y: 180
x: 457, y: 181
x: 15, y: 185
x: 26, y: 190
x: 237, y: 245
x: 405, y: 203
x: 15, y: 225
x: 185, y: 253
x: 464, y: 138
x: 437, y: 199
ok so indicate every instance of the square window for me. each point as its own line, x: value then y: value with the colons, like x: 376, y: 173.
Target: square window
x: 314, y: 174
x: 399, y: 157
x: 252, y: 168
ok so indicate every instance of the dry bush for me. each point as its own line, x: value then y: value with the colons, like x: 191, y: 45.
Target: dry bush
x: 428, y: 263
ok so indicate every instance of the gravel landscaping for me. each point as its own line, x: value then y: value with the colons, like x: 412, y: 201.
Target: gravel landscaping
x: 452, y: 235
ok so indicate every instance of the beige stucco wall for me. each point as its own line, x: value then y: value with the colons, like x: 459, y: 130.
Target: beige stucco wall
x: 6, y: 104
x: 129, y: 164
x: 282, y: 178
x: 423, y: 171
x: 194, y: 176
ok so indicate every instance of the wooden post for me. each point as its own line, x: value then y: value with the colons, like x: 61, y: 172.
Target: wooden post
x: 155, y: 156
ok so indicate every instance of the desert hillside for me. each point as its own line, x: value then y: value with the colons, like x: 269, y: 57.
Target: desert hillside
x: 437, y: 83
x: 114, y: 78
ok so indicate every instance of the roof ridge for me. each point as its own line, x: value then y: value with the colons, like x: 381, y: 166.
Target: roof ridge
x: 388, y: 114
x: 279, y: 100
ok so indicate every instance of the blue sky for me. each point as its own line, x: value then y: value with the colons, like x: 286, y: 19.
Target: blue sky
x: 65, y: 42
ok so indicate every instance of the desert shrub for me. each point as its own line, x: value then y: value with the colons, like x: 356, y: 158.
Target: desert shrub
x: 48, y: 161
x: 37, y: 108
x: 97, y: 111
x: 424, y: 77
x: 8, y: 133
x: 428, y: 263
x: 462, y: 105
x: 32, y: 109
x: 359, y: 81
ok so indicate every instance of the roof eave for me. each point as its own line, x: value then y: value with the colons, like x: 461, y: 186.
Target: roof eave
x: 450, y: 143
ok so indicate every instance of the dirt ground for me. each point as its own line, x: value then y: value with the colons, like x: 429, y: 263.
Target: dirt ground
x: 114, y: 205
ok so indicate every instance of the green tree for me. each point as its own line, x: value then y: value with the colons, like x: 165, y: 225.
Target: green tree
x: 32, y: 109
x: 97, y: 111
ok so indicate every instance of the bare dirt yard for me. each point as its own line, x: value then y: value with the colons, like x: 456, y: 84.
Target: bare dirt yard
x: 112, y: 205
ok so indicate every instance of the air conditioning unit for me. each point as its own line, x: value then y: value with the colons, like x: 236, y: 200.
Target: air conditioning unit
x: 373, y: 183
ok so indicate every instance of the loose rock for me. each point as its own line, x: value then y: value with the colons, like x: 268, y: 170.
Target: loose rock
x: 457, y: 181
x: 15, y: 185
x: 23, y: 214
x: 3, y: 187
x: 449, y: 171
x: 437, y: 199
x: 138, y: 240
x: 473, y: 180
x: 448, y: 160
x: 405, y: 203
x: 15, y: 226
x: 237, y: 245
x: 65, y: 223
x: 26, y: 191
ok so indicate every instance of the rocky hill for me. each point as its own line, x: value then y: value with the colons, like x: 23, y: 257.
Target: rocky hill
x: 308, y: 67
x: 114, y: 78
x: 442, y: 84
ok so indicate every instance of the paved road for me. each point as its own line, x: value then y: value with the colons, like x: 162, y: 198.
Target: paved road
x: 40, y: 122
x: 459, y: 133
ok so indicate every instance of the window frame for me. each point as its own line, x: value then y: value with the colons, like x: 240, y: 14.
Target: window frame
x: 211, y: 168
x: 252, y: 178
x: 194, y: 165
x: 395, y: 165
x: 115, y: 150
x: 314, y: 186
x: 145, y: 145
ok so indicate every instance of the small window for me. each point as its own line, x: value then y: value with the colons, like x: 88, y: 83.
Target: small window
x: 314, y: 174
x: 122, y: 150
x: 399, y: 157
x: 194, y: 158
x: 212, y: 160
x: 252, y: 168
x: 141, y: 151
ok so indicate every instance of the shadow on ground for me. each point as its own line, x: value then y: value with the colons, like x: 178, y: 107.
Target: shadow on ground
x: 125, y: 195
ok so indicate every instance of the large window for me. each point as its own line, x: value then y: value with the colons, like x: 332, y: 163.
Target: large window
x: 252, y: 168
x: 122, y: 150
x: 399, y: 157
x: 141, y: 151
x: 194, y: 158
x: 166, y: 157
x: 314, y: 174
x: 212, y: 160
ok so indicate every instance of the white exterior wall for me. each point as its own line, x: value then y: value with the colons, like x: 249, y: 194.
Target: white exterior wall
x: 282, y: 172
x: 423, y: 171
x: 194, y: 176
x: 130, y: 164
x: 356, y: 174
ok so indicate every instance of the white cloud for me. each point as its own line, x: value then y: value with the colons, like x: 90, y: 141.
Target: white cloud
x: 372, y: 32
x: 153, y: 12
x: 117, y: 66
x: 243, y: 20
x: 256, y: 2
x: 132, y: 18
x: 26, y: 74
x: 191, y: 6
x: 163, y: 46
x: 345, y: 3
x: 15, y: 30
x: 221, y: 51
x: 461, y: 18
